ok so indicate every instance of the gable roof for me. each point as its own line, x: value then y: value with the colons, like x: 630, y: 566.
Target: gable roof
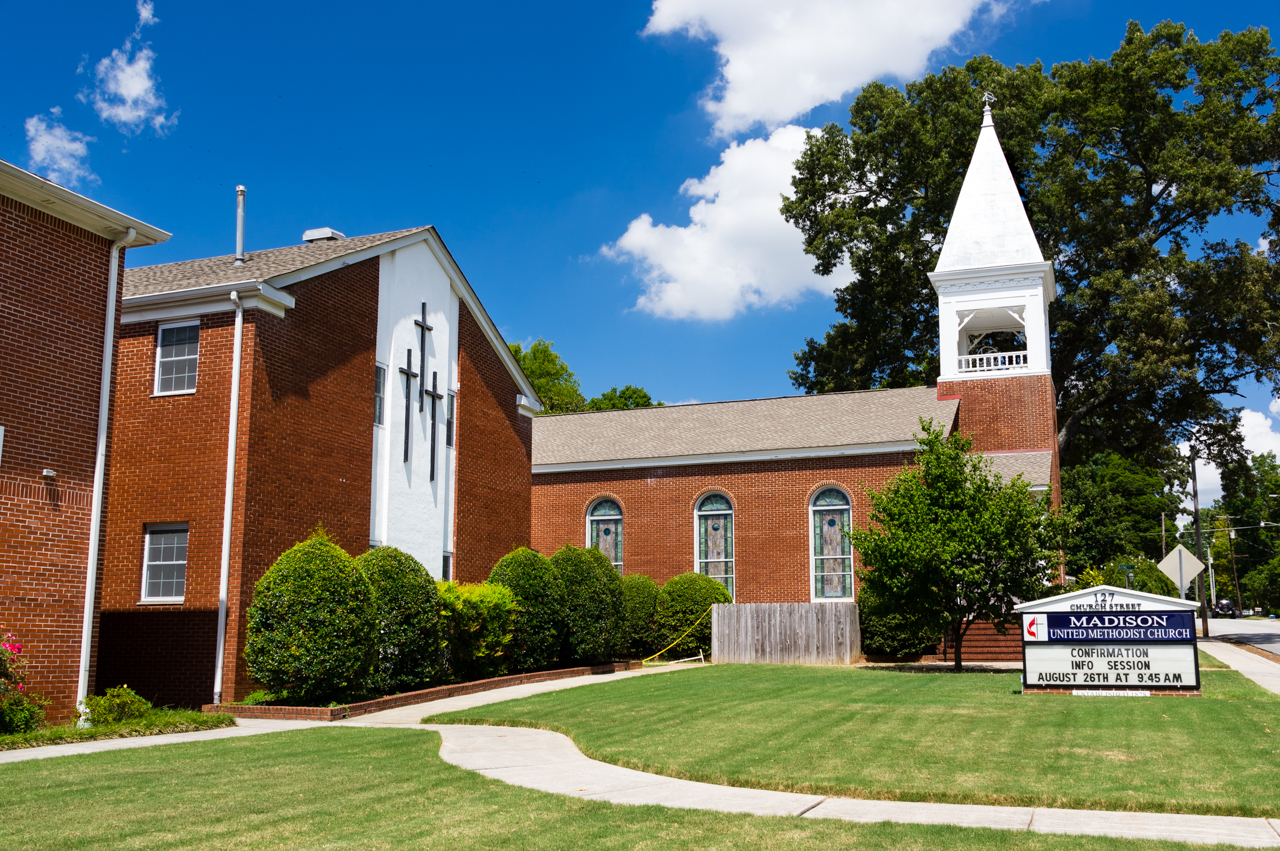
x: 989, y: 226
x: 281, y: 267
x: 1036, y: 468
x: 260, y: 266
x: 854, y: 423
x: 41, y: 194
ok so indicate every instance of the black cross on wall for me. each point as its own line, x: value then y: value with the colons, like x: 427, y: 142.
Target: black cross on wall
x: 422, y: 359
x: 435, y: 397
x: 409, y: 375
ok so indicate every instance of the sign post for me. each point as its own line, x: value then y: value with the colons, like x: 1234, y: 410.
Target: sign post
x: 1109, y: 641
x: 1182, y: 568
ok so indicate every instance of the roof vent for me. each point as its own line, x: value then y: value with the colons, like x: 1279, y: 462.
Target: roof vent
x: 323, y: 235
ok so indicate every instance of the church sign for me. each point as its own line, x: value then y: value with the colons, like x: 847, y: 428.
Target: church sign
x: 1108, y: 640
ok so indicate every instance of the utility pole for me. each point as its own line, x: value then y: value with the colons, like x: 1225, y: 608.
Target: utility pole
x: 1164, y: 543
x: 1231, y: 536
x: 1195, y: 503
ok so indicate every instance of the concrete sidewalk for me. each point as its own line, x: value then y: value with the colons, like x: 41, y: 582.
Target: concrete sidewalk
x: 1262, y: 671
x: 550, y: 762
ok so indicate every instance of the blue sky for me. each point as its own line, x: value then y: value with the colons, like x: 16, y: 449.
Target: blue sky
x: 548, y: 143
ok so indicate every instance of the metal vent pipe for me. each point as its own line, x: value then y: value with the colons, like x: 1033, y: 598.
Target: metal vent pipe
x: 240, y: 191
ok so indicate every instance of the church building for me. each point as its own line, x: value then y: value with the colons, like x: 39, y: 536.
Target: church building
x: 59, y: 271
x: 352, y: 382
x: 754, y: 493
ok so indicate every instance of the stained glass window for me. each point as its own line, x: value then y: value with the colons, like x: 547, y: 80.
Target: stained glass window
x: 715, y: 539
x: 605, y: 530
x: 832, y: 557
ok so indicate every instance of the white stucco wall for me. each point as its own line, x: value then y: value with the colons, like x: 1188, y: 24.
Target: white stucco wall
x: 408, y: 510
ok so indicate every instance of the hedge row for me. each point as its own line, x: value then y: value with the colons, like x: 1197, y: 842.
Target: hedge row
x: 324, y: 626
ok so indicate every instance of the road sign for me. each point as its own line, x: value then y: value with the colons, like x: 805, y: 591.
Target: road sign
x: 1182, y: 567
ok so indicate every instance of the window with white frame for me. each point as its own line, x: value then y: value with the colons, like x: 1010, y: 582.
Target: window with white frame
x: 604, y: 530
x: 164, y: 573
x: 379, y: 393
x: 714, y: 517
x: 177, y: 357
x: 832, y: 557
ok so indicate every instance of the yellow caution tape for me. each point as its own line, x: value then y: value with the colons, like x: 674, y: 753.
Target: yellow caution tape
x: 677, y: 641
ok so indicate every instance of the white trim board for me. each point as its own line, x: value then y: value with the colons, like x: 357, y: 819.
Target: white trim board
x: 194, y: 303
x: 730, y: 457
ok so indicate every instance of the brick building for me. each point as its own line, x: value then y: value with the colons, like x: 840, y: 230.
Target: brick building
x: 754, y: 492
x: 60, y: 259
x: 374, y: 395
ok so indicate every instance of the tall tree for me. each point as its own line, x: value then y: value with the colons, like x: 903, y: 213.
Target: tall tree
x: 1118, y: 506
x: 553, y: 381
x: 950, y: 544
x: 558, y: 387
x: 1251, y: 499
x: 1122, y: 164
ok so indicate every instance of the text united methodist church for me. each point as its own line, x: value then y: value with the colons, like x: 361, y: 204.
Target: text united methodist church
x: 360, y: 383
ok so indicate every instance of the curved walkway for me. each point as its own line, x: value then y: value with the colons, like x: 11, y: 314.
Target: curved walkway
x: 550, y: 762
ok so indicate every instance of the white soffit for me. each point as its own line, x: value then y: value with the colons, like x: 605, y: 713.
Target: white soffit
x: 989, y: 226
x: 35, y: 191
x: 157, y: 307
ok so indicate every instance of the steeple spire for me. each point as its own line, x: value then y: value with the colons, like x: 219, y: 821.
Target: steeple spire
x: 989, y: 226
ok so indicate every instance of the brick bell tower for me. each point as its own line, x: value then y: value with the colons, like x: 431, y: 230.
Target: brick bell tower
x: 994, y: 288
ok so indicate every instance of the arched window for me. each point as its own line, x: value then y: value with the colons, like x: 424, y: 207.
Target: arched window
x: 832, y: 558
x: 715, y: 538
x: 604, y: 530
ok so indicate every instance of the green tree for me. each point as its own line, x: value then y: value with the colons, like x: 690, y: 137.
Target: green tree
x: 558, y: 387
x: 1118, y: 505
x: 553, y: 381
x: 625, y: 399
x: 1121, y: 164
x: 950, y: 543
x: 1249, y: 498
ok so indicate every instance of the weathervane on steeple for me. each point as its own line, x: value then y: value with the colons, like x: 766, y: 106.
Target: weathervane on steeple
x: 987, y: 100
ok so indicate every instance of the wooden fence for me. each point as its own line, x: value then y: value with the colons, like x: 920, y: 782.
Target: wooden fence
x: 786, y: 633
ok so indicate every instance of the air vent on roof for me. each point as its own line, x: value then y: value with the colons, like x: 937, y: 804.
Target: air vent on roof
x: 322, y: 235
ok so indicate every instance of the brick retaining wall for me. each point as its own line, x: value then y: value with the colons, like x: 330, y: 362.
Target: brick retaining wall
x: 337, y: 713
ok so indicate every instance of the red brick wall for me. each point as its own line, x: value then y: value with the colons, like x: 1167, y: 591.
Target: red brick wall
x: 309, y: 446
x: 168, y: 465
x: 771, y: 532
x: 494, y: 457
x: 1009, y: 414
x: 304, y: 456
x: 54, y: 279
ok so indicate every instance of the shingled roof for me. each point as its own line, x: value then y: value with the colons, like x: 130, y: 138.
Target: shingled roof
x: 259, y: 266
x: 789, y: 426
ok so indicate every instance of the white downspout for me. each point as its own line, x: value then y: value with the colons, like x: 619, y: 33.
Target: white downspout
x: 99, y: 471
x: 224, y: 579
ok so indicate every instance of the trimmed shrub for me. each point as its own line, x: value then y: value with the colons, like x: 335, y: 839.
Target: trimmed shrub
x: 540, y: 622
x: 593, y: 604
x: 685, y: 598
x: 891, y: 633
x: 639, y: 636
x: 118, y: 704
x: 479, y: 621
x: 408, y: 644
x: 311, y: 624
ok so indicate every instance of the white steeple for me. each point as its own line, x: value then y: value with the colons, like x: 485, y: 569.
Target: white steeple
x: 993, y: 283
x: 989, y: 226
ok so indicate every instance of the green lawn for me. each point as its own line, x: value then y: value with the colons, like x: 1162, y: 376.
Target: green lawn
x: 967, y: 738
x: 154, y: 723
x: 1207, y: 661
x: 370, y: 788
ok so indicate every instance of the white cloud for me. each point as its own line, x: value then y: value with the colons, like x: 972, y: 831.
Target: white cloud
x: 737, y: 251
x: 58, y: 153
x: 127, y: 92
x: 1259, y: 435
x: 780, y: 60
